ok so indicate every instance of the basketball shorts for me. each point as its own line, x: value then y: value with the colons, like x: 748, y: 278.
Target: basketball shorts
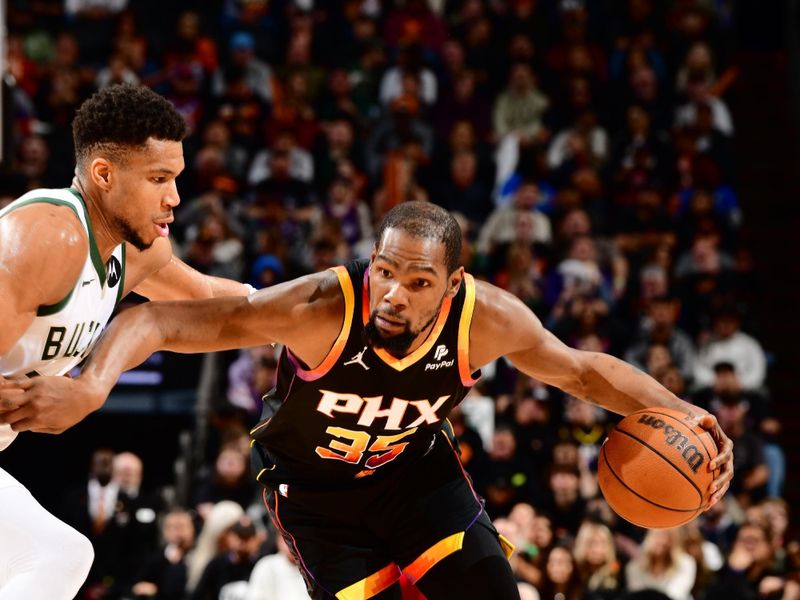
x: 356, y: 543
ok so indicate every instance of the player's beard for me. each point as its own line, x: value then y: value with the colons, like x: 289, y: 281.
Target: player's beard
x: 130, y: 235
x: 398, y: 344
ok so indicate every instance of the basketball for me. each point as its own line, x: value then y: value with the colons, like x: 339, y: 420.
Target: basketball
x: 653, y: 468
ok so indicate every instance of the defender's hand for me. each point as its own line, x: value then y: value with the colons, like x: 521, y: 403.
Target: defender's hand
x: 47, y: 404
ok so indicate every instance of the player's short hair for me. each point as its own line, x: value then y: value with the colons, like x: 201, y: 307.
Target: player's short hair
x: 120, y: 118
x: 427, y: 221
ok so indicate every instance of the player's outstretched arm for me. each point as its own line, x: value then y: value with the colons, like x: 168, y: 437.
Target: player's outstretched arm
x: 157, y: 274
x: 305, y: 314
x: 503, y: 325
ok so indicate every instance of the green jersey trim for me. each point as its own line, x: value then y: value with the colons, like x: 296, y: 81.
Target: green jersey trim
x: 97, y: 261
x: 122, y: 275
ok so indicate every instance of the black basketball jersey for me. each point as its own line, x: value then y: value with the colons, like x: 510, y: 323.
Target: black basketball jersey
x: 363, y: 412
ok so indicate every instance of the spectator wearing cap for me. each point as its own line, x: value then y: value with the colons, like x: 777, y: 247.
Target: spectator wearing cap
x: 729, y: 344
x: 257, y: 74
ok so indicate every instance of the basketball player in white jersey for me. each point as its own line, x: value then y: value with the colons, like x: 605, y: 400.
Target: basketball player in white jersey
x: 67, y: 256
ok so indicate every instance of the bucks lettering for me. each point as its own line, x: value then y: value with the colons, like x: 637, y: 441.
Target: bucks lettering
x: 71, y: 342
x: 690, y: 454
x: 350, y: 445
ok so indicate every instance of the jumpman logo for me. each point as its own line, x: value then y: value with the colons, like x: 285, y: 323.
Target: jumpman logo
x: 358, y: 359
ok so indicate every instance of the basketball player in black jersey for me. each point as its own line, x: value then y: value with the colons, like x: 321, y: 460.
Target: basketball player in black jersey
x: 354, y: 451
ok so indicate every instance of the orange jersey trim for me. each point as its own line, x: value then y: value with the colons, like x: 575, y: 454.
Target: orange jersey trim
x: 371, y: 585
x: 463, y: 332
x: 441, y: 549
x: 338, y: 346
x: 401, y: 364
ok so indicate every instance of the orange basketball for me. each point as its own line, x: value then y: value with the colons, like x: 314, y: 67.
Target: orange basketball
x: 653, y: 468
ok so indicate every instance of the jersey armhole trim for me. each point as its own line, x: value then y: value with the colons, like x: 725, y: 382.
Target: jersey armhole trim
x: 463, y: 333
x: 338, y: 346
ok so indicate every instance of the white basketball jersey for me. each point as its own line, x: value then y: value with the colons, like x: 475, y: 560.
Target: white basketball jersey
x: 62, y: 334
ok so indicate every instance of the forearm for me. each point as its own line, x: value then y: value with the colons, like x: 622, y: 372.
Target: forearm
x: 622, y: 388
x: 226, y: 287
x: 127, y: 342
x: 187, y: 327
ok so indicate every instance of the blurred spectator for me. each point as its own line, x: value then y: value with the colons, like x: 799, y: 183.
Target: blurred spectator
x: 729, y: 344
x: 660, y: 327
x: 596, y: 561
x: 250, y: 377
x: 463, y: 191
x: 210, y: 542
x: 163, y: 573
x: 301, y: 164
x: 509, y: 473
x: 749, y: 571
x: 663, y: 565
x: 519, y: 109
x: 698, y: 92
x: 561, y: 578
x: 409, y: 64
x: 277, y: 577
x: 242, y: 61
x: 751, y: 472
x: 518, y: 222
x: 227, y: 574
x: 230, y: 480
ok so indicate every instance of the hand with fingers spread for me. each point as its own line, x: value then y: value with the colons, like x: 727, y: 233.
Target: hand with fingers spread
x: 723, y: 461
x: 46, y: 404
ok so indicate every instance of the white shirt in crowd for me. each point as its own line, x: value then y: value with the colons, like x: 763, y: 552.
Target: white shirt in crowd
x: 742, y: 351
x: 275, y: 577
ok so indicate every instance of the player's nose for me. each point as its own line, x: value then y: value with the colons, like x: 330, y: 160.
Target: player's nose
x: 172, y: 198
x: 396, y: 296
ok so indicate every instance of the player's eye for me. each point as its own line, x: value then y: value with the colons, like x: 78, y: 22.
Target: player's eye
x: 160, y: 179
x: 385, y: 273
x: 423, y: 283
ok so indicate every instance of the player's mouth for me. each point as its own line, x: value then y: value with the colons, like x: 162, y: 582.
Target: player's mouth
x: 389, y: 323
x: 162, y: 227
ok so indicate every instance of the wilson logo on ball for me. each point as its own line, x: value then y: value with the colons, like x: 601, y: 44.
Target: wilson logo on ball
x: 693, y: 457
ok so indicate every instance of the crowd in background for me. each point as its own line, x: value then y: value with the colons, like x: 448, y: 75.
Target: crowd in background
x: 585, y: 148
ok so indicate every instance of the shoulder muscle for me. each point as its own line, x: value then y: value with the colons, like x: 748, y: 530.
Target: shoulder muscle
x: 43, y: 252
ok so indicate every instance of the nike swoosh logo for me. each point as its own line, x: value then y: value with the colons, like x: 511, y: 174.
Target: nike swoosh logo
x: 87, y: 282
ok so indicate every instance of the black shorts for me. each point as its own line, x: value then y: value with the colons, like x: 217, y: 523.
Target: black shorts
x: 357, y: 542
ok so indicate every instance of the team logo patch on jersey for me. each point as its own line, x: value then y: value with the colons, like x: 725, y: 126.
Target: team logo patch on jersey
x: 114, y: 270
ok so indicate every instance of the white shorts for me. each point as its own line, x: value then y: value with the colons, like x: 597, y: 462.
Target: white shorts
x: 6, y: 480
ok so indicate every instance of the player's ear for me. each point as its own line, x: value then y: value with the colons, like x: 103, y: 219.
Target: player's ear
x: 100, y: 173
x: 454, y: 281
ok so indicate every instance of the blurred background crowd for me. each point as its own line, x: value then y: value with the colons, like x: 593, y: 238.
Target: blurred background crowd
x: 586, y: 149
